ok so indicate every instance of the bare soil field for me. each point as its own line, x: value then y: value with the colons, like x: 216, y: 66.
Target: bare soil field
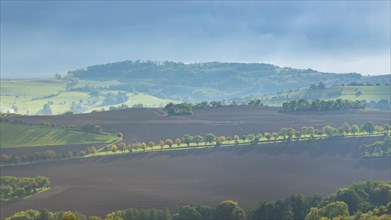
x: 155, y: 125
x: 247, y: 174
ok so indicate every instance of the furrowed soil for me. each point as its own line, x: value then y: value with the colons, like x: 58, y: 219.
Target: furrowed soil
x: 154, y: 124
x: 247, y: 174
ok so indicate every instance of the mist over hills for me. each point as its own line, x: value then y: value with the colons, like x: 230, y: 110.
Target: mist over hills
x: 212, y: 80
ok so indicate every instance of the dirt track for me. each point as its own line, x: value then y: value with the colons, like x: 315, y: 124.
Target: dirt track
x: 205, y: 176
x: 151, y: 124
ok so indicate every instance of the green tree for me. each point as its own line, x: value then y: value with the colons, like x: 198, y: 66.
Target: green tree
x: 275, y: 135
x: 251, y: 138
x: 284, y: 133
x: 346, y: 127
x: 178, y: 142
x: 229, y: 210
x: 335, y: 209
x: 368, y: 127
x: 187, y: 139
x: 161, y: 144
x: 386, y: 127
x: 69, y: 216
x: 186, y: 213
x: 93, y: 150
x: 313, y: 214
x: 328, y: 130
x: 268, y: 136
x: 354, y: 129
x: 197, y: 139
x: 244, y: 137
x: 210, y: 138
x: 310, y: 131
x: 151, y: 144
x: 122, y: 147
x: 45, y: 214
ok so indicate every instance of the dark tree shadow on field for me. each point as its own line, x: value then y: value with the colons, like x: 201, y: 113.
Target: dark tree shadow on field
x: 378, y: 164
x: 335, y: 146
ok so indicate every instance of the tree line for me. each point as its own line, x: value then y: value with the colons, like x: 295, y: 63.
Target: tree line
x: 13, y: 188
x: 304, y: 105
x: 306, y: 133
x: 226, y: 210
x: 360, y: 201
x: 44, y: 156
x: 186, y: 108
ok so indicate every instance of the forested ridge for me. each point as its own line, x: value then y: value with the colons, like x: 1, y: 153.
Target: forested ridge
x: 208, y: 81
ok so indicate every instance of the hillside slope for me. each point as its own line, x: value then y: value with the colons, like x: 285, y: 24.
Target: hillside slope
x: 207, y: 81
x: 368, y: 93
x: 22, y: 135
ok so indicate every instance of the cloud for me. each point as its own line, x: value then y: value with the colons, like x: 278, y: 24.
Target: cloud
x: 41, y: 38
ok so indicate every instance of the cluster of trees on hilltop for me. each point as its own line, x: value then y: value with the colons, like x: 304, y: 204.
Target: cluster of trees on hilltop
x: 178, y: 109
x: 12, y: 187
x: 304, y: 105
x: 361, y: 201
x: 207, y: 81
x: 187, y: 108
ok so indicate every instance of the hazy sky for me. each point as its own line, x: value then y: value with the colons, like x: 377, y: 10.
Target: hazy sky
x: 41, y: 38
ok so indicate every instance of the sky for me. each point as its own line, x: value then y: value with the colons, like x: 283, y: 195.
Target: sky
x: 41, y: 38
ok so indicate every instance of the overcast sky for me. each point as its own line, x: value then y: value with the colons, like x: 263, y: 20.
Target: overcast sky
x: 40, y: 38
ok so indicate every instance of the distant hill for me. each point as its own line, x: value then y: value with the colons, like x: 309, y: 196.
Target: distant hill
x: 375, y: 96
x: 155, y: 84
x: 208, y: 81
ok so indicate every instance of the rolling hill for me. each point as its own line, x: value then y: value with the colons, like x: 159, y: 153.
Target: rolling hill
x: 154, y: 84
x: 23, y: 135
x: 370, y: 93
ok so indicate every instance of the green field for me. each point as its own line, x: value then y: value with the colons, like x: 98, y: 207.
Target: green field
x: 29, y: 96
x: 368, y: 93
x: 22, y: 135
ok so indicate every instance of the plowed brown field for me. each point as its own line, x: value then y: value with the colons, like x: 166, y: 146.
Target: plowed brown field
x: 247, y: 174
x: 153, y: 124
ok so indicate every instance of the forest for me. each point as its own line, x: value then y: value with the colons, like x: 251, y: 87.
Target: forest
x: 15, y: 188
x: 303, y: 105
x: 206, y: 81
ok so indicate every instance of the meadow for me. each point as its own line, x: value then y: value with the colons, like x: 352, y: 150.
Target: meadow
x: 22, y: 135
x: 28, y: 96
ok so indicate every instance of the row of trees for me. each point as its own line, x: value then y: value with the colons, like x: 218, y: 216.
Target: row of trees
x: 178, y: 109
x: 362, y: 201
x: 304, y: 105
x: 226, y: 210
x: 285, y: 134
x: 187, y: 108
x: 44, y: 155
x: 12, y: 187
